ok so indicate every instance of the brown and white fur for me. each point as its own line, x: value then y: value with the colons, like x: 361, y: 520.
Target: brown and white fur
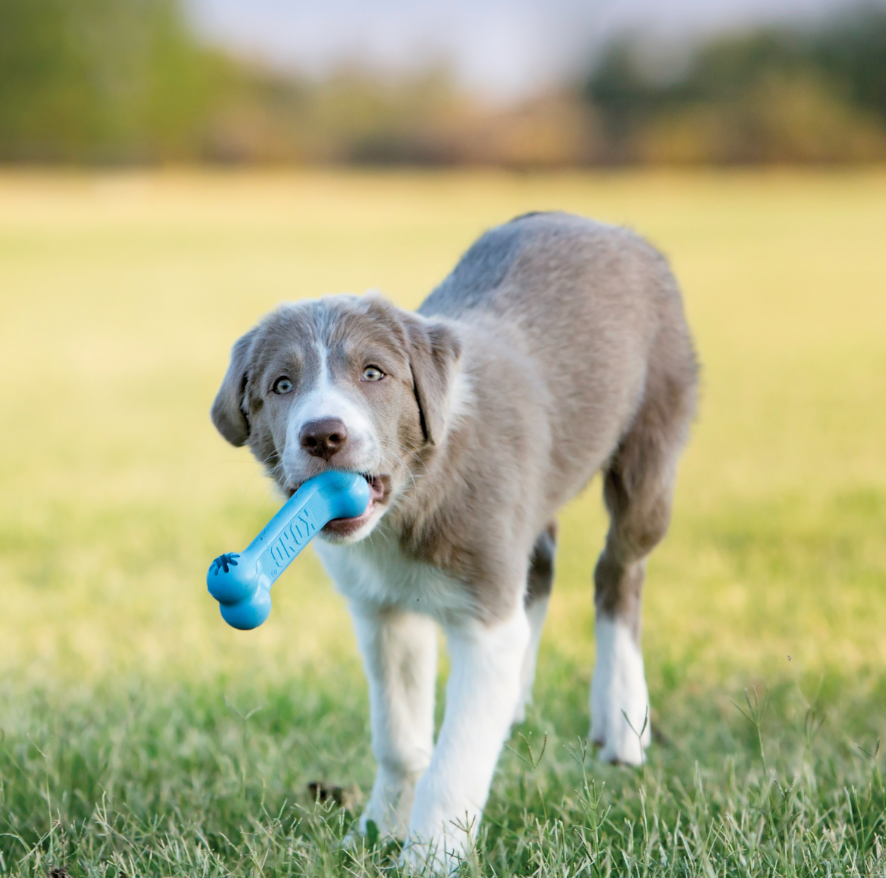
x: 557, y: 348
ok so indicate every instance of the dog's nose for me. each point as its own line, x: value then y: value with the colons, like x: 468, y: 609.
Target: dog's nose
x: 323, y: 437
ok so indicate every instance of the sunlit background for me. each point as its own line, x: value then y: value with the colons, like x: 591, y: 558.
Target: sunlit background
x: 169, y: 173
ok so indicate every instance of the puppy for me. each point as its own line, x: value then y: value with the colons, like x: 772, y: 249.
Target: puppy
x: 557, y: 348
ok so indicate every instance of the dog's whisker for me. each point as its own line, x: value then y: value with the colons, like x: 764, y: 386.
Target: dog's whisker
x: 414, y: 454
x: 388, y: 454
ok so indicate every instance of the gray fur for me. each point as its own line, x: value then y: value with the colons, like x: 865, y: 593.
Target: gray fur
x: 557, y: 348
x: 227, y: 413
x: 571, y: 337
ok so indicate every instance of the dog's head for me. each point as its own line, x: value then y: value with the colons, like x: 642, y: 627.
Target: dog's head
x: 348, y: 383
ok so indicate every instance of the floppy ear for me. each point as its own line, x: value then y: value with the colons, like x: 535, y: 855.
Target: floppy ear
x: 228, y: 413
x: 434, y: 352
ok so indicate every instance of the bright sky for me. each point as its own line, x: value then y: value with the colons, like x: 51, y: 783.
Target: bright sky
x: 504, y: 49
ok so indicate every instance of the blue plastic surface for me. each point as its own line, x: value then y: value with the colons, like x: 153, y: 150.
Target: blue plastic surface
x: 241, y: 582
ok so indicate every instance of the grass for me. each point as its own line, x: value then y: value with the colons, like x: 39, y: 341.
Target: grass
x: 141, y: 736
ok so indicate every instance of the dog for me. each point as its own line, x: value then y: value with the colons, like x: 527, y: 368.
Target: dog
x: 557, y: 348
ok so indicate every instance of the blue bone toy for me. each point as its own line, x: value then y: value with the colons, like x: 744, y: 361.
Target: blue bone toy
x: 241, y: 583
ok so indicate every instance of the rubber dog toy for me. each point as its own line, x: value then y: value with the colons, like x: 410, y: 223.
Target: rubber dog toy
x: 241, y: 582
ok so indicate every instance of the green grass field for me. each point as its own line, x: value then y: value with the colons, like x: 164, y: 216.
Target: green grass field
x: 140, y: 736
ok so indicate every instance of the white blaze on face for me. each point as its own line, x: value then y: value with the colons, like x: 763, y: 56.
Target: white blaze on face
x: 323, y: 398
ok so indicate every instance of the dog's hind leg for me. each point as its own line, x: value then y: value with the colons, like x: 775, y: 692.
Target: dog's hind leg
x: 638, y: 487
x: 399, y: 653
x: 538, y: 593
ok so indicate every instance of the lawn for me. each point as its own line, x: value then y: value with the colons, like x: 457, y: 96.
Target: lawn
x: 140, y: 736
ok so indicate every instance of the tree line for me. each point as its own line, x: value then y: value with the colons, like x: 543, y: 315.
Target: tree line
x: 127, y: 81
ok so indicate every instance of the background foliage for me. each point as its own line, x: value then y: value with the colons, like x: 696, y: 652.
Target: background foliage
x: 127, y: 81
x: 812, y: 94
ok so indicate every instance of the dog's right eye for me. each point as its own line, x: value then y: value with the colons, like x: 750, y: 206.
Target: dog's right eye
x: 282, y: 385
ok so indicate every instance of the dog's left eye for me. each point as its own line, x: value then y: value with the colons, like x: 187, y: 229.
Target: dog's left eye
x: 282, y: 385
x: 373, y: 373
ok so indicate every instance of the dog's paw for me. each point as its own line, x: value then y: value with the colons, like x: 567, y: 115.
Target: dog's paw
x: 439, y: 841
x: 619, y: 697
x: 389, y: 805
x: 621, y: 744
x: 435, y: 856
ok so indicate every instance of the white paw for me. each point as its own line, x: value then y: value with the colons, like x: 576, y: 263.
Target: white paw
x: 389, y: 804
x: 619, y: 697
x: 440, y: 837
x: 439, y: 854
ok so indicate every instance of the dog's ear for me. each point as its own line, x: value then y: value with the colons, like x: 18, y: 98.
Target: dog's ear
x: 228, y: 412
x: 434, y: 352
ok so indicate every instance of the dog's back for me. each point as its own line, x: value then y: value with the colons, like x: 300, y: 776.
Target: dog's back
x: 594, y: 312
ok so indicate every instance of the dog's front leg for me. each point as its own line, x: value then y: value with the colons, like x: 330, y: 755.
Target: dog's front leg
x: 481, y: 696
x: 400, y: 657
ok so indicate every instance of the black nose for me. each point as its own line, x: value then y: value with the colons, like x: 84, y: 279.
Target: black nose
x: 323, y: 437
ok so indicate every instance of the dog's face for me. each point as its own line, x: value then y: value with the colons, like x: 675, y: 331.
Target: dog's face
x: 347, y: 383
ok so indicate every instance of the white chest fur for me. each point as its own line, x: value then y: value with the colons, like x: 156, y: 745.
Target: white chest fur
x: 375, y: 572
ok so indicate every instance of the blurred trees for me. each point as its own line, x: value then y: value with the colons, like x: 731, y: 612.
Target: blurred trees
x: 104, y: 80
x: 777, y: 95
x: 113, y: 81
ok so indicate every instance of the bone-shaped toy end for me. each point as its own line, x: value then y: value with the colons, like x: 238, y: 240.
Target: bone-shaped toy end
x: 248, y: 614
x: 243, y: 595
x: 241, y: 581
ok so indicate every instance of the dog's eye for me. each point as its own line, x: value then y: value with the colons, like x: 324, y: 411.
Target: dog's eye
x: 373, y: 373
x: 282, y: 385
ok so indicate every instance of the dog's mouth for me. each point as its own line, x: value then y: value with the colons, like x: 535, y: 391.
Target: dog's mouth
x: 379, y: 491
